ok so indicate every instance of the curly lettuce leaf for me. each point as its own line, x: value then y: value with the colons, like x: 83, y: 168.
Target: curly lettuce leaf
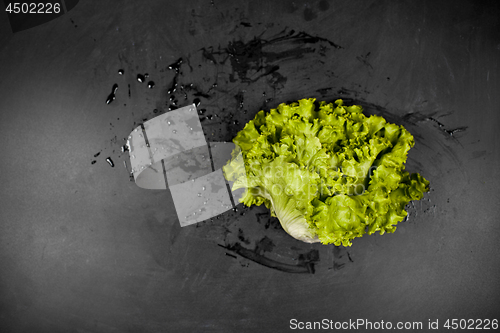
x: 326, y: 171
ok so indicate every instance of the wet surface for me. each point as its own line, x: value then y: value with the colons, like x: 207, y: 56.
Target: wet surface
x: 84, y: 249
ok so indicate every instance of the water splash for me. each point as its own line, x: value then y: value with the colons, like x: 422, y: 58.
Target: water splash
x: 112, y: 96
x: 110, y: 162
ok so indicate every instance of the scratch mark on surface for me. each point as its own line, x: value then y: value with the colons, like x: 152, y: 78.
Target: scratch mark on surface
x: 364, y: 60
x: 449, y: 68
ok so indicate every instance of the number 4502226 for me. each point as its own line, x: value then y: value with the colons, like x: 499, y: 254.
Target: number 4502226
x: 33, y: 8
x: 478, y: 324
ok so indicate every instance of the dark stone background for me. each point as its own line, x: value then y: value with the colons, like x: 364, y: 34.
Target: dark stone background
x: 83, y: 249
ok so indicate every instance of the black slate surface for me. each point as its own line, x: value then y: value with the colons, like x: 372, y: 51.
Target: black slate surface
x: 83, y: 249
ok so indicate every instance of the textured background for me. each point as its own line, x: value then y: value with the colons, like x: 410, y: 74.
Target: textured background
x: 83, y: 249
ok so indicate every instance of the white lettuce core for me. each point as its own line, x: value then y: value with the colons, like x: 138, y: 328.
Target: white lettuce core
x: 295, y: 224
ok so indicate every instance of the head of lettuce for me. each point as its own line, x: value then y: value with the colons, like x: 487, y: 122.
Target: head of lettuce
x: 326, y: 171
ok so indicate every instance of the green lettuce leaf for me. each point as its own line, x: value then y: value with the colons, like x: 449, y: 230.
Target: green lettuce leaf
x: 326, y: 171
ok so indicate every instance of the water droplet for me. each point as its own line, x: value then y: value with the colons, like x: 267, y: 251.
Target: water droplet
x: 190, y: 128
x: 130, y: 137
x: 168, y: 122
x: 146, y: 75
x: 203, y: 188
x: 196, y: 101
x: 174, y: 131
x: 155, y: 111
x: 173, y: 86
x: 135, y: 130
x: 112, y: 97
x: 194, y: 213
x: 151, y: 84
x: 236, y: 122
x: 204, y: 202
x: 176, y: 65
x: 235, y: 209
x: 110, y: 162
x: 199, y: 194
x: 140, y: 78
x: 121, y: 71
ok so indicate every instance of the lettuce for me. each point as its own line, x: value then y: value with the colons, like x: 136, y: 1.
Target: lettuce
x: 326, y: 171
